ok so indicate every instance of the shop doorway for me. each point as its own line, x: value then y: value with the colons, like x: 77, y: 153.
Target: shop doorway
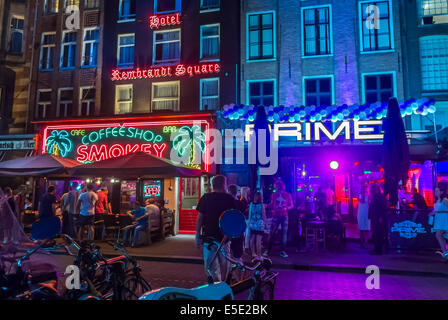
x: 190, y: 192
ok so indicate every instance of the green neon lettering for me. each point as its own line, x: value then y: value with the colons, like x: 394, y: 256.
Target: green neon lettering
x: 138, y: 134
x: 145, y: 135
x: 91, y: 136
x: 85, y: 140
x: 122, y: 131
x: 115, y: 131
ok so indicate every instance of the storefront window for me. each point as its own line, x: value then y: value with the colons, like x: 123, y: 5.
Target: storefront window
x: 190, y: 193
x: 128, y: 194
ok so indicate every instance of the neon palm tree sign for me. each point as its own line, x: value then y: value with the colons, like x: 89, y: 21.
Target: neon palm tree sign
x: 187, y: 139
x: 59, y: 143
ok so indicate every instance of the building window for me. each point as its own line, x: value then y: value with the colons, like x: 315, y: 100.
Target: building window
x: 43, y: 103
x: 90, y: 48
x: 210, y: 39
x: 318, y: 91
x: 166, y: 47
x: 377, y: 34
x: 68, y: 50
x: 209, y: 94
x: 92, y: 4
x: 123, y: 99
x: 16, y: 35
x: 87, y: 101
x: 65, y: 103
x: 378, y: 87
x: 316, y: 31
x: 51, y: 7
x: 71, y: 3
x: 164, y: 6
x: 261, y: 36
x: 125, y: 54
x: 210, y: 4
x: 433, y: 11
x: 47, y: 50
x: 261, y: 93
x: 434, y: 63
x: 165, y: 96
x: 126, y: 10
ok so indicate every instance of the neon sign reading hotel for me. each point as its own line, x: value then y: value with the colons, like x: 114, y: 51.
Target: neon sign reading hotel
x: 156, y: 22
x: 179, y: 70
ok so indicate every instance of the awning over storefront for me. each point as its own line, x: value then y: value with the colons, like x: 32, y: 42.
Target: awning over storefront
x: 37, y: 166
x: 139, y: 164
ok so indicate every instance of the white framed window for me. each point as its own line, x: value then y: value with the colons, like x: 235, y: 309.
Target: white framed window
x: 432, y: 11
x: 47, y: 51
x: 376, y: 35
x: 90, y: 47
x: 210, y: 42
x: 68, y: 49
x: 378, y: 86
x: 65, y: 102
x: 318, y: 90
x: 167, y: 6
x: 16, y: 35
x: 210, y: 5
x: 166, y: 47
x: 434, y: 62
x: 126, y: 11
x: 165, y: 95
x: 260, y: 36
x: 43, y: 103
x: 123, y: 98
x: 51, y: 7
x: 209, y: 94
x: 125, y: 52
x: 262, y: 92
x: 71, y: 3
x: 86, y: 101
x: 91, y: 4
x: 316, y: 31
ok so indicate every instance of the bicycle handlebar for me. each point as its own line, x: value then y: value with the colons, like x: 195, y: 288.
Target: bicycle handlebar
x: 239, y: 263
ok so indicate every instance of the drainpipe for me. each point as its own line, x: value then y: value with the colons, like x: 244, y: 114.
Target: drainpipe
x: 36, y: 6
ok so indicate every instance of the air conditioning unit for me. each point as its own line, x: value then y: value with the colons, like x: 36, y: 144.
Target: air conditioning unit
x: 428, y: 20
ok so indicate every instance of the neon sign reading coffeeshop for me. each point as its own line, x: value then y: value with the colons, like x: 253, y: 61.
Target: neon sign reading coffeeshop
x: 179, y: 70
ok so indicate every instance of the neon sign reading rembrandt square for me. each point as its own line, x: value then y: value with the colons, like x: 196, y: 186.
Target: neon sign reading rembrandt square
x: 317, y: 131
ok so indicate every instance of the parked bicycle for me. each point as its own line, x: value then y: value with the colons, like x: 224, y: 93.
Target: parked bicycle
x: 259, y: 286
x: 118, y: 278
x: 25, y: 285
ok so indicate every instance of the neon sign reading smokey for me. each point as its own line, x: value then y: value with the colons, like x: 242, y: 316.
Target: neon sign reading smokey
x: 179, y: 70
x: 315, y: 131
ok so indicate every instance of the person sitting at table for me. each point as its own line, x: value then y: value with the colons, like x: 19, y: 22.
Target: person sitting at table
x: 140, y: 215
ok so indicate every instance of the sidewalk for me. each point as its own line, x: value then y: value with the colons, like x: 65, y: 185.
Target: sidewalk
x: 181, y: 248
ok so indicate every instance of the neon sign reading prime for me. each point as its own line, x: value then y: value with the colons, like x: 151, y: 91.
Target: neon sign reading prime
x: 315, y: 131
x: 179, y: 70
x: 156, y: 22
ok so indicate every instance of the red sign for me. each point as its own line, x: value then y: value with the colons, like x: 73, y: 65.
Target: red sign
x: 156, y: 22
x: 161, y: 72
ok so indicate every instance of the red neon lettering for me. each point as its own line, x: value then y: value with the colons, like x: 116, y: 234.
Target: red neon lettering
x: 178, y: 18
x: 132, y: 149
x: 139, y: 73
x: 146, y: 148
x: 124, y: 75
x: 197, y: 69
x: 156, y: 22
x: 115, y: 75
x: 160, y: 149
x: 217, y: 67
x: 204, y: 69
x: 82, y: 151
x: 180, y: 70
x: 210, y: 67
x: 144, y: 74
x: 116, y: 150
x: 98, y: 155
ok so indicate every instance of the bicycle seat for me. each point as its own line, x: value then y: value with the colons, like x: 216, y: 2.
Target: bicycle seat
x: 215, y: 291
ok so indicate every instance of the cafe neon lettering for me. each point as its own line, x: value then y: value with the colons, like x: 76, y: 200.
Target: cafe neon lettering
x: 309, y: 131
x: 156, y: 22
x: 127, y: 132
x: 179, y: 70
x: 103, y: 152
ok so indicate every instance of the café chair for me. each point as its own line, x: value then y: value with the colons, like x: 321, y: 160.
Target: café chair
x: 315, y: 233
x: 111, y: 224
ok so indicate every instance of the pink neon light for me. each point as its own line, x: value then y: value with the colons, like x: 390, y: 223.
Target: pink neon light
x: 169, y: 20
x: 179, y: 70
x: 81, y: 150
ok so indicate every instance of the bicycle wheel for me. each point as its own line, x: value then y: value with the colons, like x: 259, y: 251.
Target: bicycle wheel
x: 134, y: 287
x: 265, y: 291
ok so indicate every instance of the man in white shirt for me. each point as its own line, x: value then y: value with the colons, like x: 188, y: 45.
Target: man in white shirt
x: 86, y: 204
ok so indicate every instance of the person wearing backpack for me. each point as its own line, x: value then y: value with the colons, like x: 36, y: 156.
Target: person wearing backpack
x: 256, y: 224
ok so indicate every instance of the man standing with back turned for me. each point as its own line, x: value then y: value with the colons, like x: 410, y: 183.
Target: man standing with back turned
x: 210, y: 208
